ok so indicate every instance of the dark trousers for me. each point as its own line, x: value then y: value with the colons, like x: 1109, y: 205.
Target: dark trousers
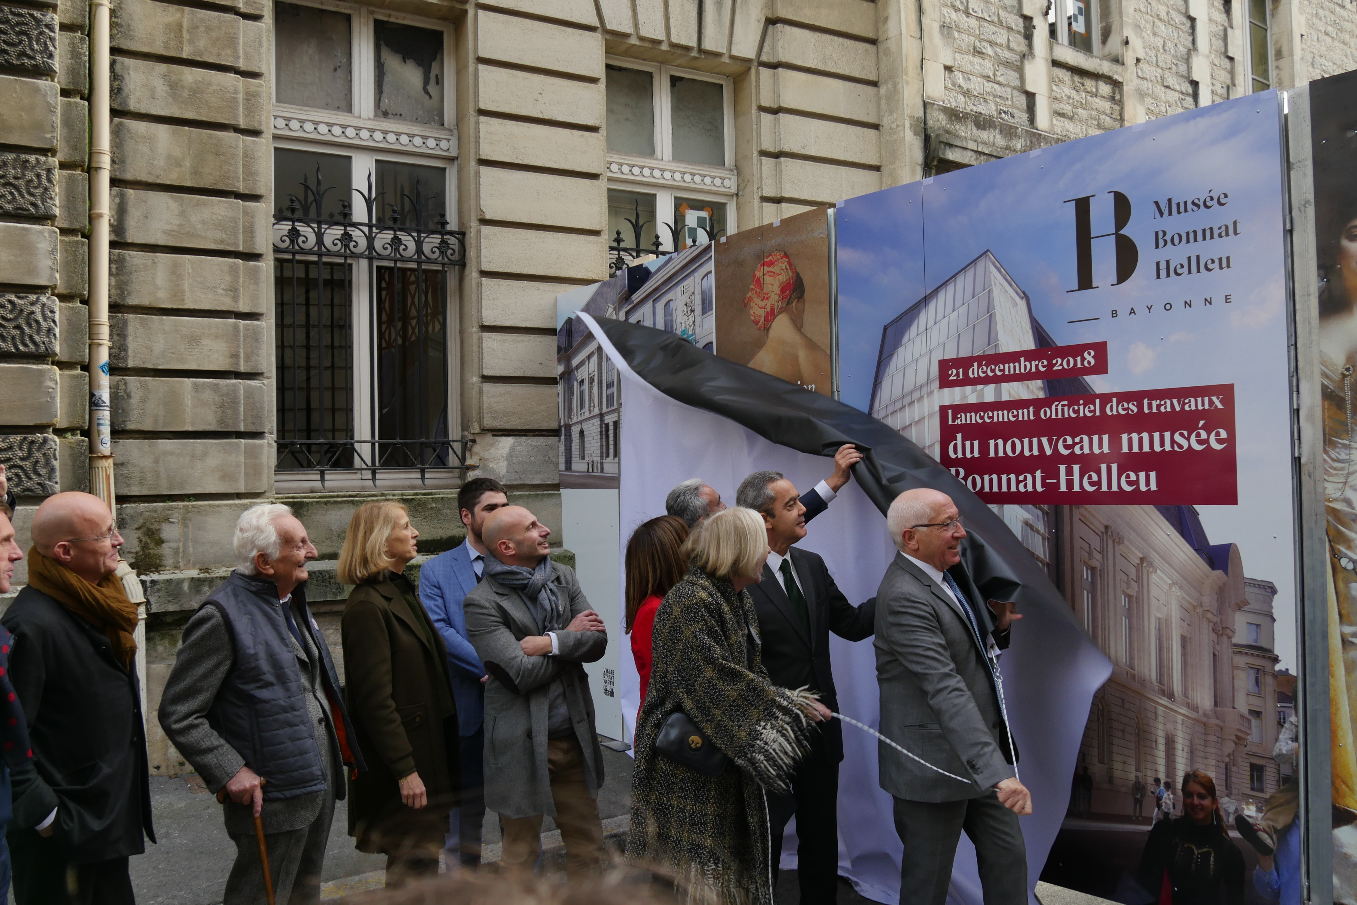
x: 814, y: 800
x: 930, y: 831
x: 44, y: 876
x: 467, y: 819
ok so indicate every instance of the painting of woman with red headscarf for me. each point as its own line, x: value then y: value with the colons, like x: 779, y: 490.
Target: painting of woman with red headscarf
x: 776, y: 305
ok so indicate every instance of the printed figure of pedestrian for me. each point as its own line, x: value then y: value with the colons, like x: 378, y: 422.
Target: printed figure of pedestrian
x: 1137, y: 797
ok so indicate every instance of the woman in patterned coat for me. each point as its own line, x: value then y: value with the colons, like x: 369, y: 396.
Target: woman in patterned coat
x: 711, y: 832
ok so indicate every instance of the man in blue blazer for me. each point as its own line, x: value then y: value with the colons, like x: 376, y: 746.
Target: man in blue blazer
x: 444, y: 582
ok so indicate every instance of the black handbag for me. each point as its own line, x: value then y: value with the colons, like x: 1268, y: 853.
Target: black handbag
x: 682, y: 742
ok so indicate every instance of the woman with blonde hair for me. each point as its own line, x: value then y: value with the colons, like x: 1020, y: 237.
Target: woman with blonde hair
x: 400, y: 698
x: 707, y: 823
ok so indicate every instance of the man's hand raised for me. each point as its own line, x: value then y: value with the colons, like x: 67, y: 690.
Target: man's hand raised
x: 844, y: 459
x: 1014, y: 796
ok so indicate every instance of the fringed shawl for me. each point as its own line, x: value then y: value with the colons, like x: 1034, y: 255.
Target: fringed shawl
x: 712, y: 832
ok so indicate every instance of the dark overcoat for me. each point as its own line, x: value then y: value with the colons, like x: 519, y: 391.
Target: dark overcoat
x: 400, y: 702
x: 84, y: 718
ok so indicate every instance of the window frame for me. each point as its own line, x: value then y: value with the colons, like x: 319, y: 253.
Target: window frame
x: 1252, y: 80
x: 363, y: 67
x: 661, y: 105
x: 666, y: 179
x: 319, y: 130
x: 1093, y: 21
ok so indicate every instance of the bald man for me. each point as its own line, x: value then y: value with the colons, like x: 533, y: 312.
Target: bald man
x: 937, y: 647
x: 89, y: 807
x: 533, y: 629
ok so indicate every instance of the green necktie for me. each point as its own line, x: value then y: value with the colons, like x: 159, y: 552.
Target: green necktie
x: 794, y: 592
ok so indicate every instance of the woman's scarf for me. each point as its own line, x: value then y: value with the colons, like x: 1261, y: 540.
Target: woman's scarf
x: 104, y: 605
x: 536, y: 585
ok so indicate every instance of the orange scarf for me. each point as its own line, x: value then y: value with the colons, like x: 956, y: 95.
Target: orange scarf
x: 104, y: 606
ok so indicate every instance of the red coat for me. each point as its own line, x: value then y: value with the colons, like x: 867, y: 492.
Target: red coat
x: 640, y: 642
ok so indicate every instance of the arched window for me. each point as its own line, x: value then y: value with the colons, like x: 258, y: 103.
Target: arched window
x: 669, y: 316
x: 705, y: 291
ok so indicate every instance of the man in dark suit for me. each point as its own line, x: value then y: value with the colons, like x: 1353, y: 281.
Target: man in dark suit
x: 695, y: 499
x: 254, y: 693
x: 444, y: 582
x: 798, y: 606
x: 937, y: 648
x: 88, y: 808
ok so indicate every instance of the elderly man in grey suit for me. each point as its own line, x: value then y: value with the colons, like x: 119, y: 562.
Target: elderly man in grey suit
x: 937, y: 647
x: 533, y: 629
x: 253, y: 703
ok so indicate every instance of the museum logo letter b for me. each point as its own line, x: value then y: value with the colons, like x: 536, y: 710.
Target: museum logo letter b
x: 1127, y: 255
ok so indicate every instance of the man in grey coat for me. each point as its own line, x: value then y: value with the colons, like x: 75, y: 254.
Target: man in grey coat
x: 533, y: 629
x: 937, y: 649
x: 253, y: 703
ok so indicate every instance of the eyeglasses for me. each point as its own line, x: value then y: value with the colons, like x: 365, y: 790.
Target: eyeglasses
x: 111, y: 533
x: 945, y: 526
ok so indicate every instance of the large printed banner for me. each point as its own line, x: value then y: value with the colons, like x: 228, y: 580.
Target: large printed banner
x: 1091, y: 339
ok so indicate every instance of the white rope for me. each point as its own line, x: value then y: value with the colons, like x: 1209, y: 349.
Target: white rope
x: 852, y: 722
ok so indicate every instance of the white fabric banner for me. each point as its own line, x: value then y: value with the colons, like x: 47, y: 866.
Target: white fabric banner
x: 1050, y: 671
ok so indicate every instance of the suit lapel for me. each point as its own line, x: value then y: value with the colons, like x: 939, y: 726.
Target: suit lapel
x: 771, y: 589
x: 466, y: 572
x: 398, y: 606
x: 518, y: 608
x: 939, y: 592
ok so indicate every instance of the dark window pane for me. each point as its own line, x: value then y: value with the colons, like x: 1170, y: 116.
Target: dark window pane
x: 299, y: 175
x: 628, y: 208
x: 1258, y: 54
x: 631, y: 111
x: 314, y: 372
x: 313, y: 57
x: 416, y: 195
x: 412, y: 355
x: 409, y: 73
x: 698, y: 119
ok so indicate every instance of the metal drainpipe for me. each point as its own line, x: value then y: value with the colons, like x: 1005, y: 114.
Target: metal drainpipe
x: 100, y: 416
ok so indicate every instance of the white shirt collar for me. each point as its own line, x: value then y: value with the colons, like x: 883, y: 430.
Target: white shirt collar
x: 931, y: 571
x: 775, y: 560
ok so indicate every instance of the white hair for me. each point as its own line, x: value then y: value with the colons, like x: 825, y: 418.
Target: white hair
x: 257, y: 532
x: 908, y: 509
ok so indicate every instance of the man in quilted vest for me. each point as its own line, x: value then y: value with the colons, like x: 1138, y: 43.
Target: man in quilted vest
x: 253, y: 703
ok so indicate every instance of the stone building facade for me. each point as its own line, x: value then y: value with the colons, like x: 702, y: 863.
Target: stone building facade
x: 1257, y: 691
x: 526, y: 131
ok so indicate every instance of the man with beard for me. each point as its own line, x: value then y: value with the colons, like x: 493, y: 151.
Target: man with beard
x: 534, y: 631
x: 444, y: 582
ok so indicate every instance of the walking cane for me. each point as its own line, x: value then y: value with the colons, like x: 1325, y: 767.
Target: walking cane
x: 263, y: 849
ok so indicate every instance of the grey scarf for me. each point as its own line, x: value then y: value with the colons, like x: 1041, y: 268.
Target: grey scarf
x: 536, y: 585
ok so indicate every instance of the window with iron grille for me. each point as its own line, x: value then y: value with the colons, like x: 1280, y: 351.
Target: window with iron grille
x: 671, y: 176
x: 366, y: 254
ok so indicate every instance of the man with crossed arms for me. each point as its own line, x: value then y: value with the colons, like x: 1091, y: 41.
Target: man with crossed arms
x: 941, y: 699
